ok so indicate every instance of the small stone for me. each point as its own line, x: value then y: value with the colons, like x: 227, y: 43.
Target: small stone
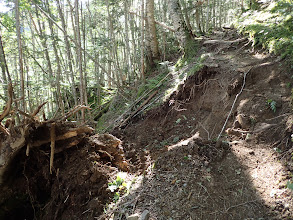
x: 133, y: 217
x: 145, y: 215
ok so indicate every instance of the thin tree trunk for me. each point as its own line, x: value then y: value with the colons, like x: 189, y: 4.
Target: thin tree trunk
x: 60, y: 103
x: 20, y: 58
x: 68, y: 52
x: 3, y: 68
x: 142, y: 43
x: 183, y: 34
x: 127, y: 47
x: 79, y: 58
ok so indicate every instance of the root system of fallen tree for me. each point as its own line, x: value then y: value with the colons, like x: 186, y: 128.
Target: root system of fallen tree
x: 36, y: 156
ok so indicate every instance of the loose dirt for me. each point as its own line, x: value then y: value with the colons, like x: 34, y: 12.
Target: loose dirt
x: 242, y: 177
x: 177, y: 167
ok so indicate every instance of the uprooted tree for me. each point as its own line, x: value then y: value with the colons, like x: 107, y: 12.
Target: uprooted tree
x: 58, y: 133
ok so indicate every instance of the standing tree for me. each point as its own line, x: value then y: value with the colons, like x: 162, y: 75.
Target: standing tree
x: 20, y: 56
x: 183, y: 33
x: 154, y: 45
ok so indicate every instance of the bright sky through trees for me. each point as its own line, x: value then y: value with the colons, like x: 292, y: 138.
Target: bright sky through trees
x: 3, y: 7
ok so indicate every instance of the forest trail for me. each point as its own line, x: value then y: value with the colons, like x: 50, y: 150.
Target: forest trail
x: 177, y: 167
x: 186, y: 173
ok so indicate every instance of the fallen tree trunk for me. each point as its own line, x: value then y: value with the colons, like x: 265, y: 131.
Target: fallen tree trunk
x: 124, y: 123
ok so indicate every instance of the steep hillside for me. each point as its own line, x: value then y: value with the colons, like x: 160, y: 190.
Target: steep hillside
x: 220, y: 147
x: 188, y: 173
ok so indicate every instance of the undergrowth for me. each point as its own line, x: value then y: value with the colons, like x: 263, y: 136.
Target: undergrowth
x: 191, y: 51
x: 271, y: 27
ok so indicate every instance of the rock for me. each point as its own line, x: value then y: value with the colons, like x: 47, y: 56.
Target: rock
x: 244, y: 121
x: 145, y: 215
x: 133, y: 217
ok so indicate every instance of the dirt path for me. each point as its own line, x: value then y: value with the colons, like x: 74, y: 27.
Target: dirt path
x: 242, y: 177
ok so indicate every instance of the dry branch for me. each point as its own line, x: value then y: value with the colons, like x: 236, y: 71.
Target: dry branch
x: 53, y: 139
x: 38, y: 109
x: 9, y: 103
x: 26, y: 115
x: 4, y: 130
x: 138, y: 109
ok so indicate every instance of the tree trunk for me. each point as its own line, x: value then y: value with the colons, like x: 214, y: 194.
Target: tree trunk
x: 68, y: 52
x: 59, y: 100
x: 79, y: 59
x: 183, y: 34
x: 150, y: 8
x: 20, y: 59
x: 142, y: 43
x: 3, y: 68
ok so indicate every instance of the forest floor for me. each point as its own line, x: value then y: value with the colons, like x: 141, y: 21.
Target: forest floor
x: 177, y: 168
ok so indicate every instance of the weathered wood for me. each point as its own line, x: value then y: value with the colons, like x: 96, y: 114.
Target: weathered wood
x: 53, y: 140
x: 139, y: 108
x: 72, y: 133
x: 224, y: 41
x: 7, y: 108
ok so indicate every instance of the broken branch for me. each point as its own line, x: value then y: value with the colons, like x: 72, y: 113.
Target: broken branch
x: 38, y: 109
x: 53, y: 139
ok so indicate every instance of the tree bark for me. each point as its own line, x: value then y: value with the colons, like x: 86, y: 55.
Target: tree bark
x: 58, y: 75
x: 20, y: 59
x: 68, y: 52
x: 142, y: 43
x: 150, y: 7
x: 183, y: 34
x: 79, y: 58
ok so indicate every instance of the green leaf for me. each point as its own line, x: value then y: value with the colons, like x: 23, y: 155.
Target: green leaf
x: 290, y: 185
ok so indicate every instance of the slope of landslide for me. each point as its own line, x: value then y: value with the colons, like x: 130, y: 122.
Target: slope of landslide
x: 187, y: 175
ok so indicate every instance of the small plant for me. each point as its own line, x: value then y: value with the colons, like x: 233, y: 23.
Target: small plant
x: 118, y: 185
x: 178, y: 121
x: 272, y: 104
x: 252, y: 121
x: 176, y: 139
x: 289, y: 185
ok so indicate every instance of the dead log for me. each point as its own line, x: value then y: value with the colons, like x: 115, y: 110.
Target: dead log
x: 213, y: 42
x: 138, y: 109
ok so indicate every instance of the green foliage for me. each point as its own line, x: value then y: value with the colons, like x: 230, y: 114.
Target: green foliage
x: 272, y: 104
x: 191, y: 51
x: 271, y: 28
x: 150, y: 83
x: 290, y: 185
x: 197, y: 66
x: 118, y: 186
